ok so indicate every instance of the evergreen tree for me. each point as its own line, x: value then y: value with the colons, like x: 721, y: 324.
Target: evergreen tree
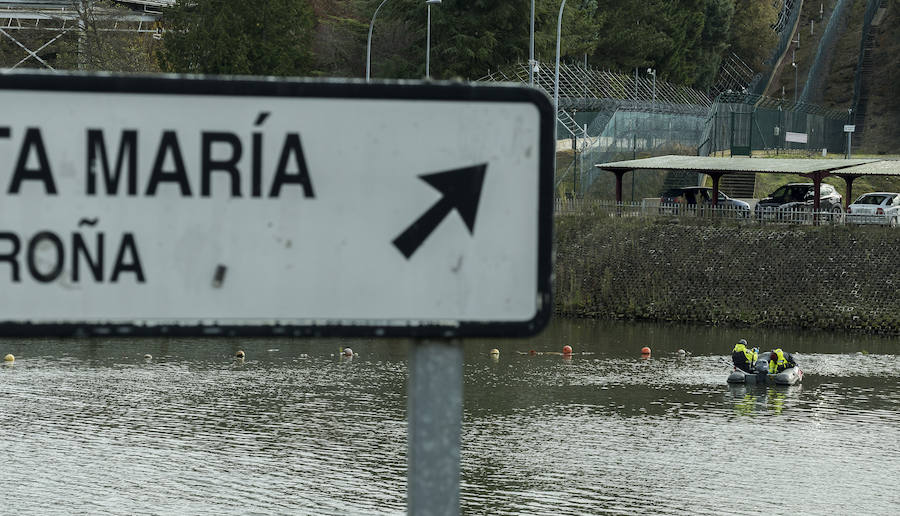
x: 237, y: 37
x: 714, y: 41
x: 752, y: 37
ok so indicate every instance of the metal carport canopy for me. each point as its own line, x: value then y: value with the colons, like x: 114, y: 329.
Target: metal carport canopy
x: 815, y: 169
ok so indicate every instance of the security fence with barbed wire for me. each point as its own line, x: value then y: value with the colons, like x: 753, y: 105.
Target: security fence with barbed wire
x: 741, y: 123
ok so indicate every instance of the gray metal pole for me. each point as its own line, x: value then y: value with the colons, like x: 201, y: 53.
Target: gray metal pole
x: 633, y: 120
x: 428, y: 44
x: 369, y: 42
x: 435, y: 419
x: 849, y: 121
x: 796, y: 94
x: 531, y: 49
x: 556, y: 80
x: 635, y: 87
x: 82, y: 57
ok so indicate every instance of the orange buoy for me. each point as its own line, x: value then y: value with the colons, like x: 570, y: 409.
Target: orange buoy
x: 567, y: 350
x: 645, y: 350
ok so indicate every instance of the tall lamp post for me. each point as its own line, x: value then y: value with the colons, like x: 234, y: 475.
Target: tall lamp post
x: 428, y: 3
x: 652, y: 72
x: 556, y: 78
x: 796, y: 95
x: 369, y: 43
x: 531, y: 49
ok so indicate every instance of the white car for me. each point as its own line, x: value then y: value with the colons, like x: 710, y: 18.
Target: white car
x: 875, y: 208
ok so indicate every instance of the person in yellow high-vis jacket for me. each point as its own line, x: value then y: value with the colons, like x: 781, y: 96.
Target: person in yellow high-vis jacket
x: 743, y: 357
x: 780, y: 360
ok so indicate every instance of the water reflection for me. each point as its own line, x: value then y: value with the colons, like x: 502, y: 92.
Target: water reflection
x: 300, y: 427
x: 755, y: 399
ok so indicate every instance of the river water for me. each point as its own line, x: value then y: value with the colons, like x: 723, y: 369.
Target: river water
x: 93, y: 427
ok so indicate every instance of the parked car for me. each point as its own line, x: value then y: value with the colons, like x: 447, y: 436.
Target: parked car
x: 675, y: 200
x: 798, y: 197
x: 875, y: 208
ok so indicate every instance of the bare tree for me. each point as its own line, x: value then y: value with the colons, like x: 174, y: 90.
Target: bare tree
x: 110, y: 37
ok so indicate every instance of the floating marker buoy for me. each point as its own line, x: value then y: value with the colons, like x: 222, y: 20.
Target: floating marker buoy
x: 148, y: 356
x: 348, y: 352
x: 9, y: 358
x: 645, y: 350
x: 239, y: 354
x: 567, y: 350
x: 495, y: 351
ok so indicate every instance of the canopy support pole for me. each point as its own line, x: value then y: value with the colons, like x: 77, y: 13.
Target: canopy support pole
x: 716, y: 175
x: 848, y: 179
x: 619, y: 174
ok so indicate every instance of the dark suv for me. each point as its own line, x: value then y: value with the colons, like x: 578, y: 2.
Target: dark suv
x: 799, y: 197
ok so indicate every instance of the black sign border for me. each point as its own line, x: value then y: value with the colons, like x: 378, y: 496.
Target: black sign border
x: 169, y: 84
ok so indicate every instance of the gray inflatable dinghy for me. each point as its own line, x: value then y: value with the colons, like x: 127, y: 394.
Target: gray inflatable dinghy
x: 789, y: 376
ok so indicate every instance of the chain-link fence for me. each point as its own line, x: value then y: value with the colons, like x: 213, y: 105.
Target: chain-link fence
x: 630, y: 133
x: 741, y: 123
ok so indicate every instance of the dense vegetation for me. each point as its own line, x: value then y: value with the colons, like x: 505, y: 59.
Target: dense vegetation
x: 228, y: 37
x: 684, y: 40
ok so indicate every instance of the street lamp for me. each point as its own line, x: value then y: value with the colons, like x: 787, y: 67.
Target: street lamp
x: 556, y: 79
x: 652, y: 72
x: 849, y: 121
x: 369, y: 43
x: 531, y: 49
x: 428, y: 38
x: 796, y: 98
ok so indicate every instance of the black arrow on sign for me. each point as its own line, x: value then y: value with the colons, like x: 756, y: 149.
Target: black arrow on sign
x: 461, y: 189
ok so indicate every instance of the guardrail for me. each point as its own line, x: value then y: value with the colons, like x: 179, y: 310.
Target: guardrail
x: 652, y: 208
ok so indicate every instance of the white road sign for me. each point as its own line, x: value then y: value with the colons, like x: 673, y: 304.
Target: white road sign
x: 170, y: 205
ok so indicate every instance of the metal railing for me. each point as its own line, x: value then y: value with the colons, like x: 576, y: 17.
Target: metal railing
x: 871, y: 9
x: 652, y: 208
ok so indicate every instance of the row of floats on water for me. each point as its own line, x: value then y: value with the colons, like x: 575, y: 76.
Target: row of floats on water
x: 759, y: 375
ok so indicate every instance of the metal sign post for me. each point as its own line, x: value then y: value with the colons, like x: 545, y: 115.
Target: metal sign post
x: 849, y: 129
x: 435, y: 420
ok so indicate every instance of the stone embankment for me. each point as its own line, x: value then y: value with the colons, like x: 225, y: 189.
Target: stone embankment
x: 720, y: 273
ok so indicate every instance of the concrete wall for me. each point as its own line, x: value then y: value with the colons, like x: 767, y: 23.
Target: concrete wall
x: 828, y: 277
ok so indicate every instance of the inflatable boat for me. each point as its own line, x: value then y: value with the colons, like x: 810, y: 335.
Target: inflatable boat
x: 789, y: 376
